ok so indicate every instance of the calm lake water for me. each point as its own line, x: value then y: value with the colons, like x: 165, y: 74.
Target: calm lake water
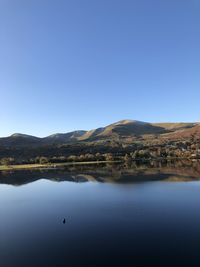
x: 116, y: 215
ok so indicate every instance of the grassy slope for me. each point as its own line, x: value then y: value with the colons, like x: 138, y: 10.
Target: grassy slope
x: 174, y: 126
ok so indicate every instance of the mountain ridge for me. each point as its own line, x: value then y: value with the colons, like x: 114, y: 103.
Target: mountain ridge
x: 118, y: 130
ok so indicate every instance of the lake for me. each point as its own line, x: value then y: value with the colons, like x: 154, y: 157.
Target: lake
x: 115, y: 215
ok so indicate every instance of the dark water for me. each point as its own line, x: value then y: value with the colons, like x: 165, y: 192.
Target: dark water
x: 138, y: 215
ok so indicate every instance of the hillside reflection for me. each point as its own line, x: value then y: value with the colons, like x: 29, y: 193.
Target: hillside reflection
x: 184, y: 170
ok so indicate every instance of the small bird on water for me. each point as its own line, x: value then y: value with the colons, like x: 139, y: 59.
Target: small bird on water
x: 64, y: 220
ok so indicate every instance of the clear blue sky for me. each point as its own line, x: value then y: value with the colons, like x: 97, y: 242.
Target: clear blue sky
x: 81, y: 64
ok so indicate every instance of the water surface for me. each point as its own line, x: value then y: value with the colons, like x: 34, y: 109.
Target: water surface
x: 116, y: 215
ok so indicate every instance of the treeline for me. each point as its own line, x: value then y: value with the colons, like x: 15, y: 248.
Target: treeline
x: 93, y: 152
x: 62, y: 159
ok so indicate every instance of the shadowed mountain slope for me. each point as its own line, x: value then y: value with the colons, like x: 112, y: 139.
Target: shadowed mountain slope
x: 123, y: 128
x: 63, y: 137
x: 19, y: 140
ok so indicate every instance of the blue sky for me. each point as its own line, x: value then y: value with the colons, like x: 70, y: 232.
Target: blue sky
x: 82, y: 64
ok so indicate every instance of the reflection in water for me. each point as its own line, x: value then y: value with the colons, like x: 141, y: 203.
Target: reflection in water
x: 103, y: 215
x: 184, y: 170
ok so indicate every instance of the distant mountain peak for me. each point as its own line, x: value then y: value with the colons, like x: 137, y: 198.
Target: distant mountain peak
x: 17, y: 134
x: 22, y: 135
x: 127, y: 121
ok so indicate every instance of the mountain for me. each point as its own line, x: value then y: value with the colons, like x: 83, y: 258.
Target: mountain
x: 23, y: 140
x: 120, y: 130
x: 123, y: 129
x: 19, y: 140
x: 63, y: 137
x: 184, y: 133
x: 175, y: 126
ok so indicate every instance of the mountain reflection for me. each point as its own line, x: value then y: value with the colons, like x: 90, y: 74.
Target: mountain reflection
x: 184, y: 170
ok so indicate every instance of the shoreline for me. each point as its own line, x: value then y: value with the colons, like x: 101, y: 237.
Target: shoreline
x: 65, y: 164
x: 49, y: 165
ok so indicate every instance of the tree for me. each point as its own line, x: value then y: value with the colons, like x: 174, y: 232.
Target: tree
x: 72, y: 158
x: 43, y: 160
x: 7, y: 161
x: 127, y: 158
x: 109, y: 157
